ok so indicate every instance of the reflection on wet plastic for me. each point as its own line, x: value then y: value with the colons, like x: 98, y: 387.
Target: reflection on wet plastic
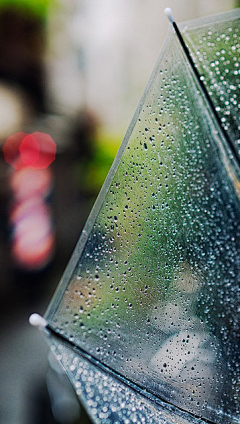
x: 152, y: 290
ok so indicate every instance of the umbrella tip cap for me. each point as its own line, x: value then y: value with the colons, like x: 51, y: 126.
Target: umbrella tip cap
x: 169, y: 14
x: 37, y: 321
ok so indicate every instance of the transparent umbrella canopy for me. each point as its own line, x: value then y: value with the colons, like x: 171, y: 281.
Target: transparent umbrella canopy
x: 145, y: 320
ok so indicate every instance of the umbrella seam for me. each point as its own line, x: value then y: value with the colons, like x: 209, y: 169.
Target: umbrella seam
x: 205, y: 93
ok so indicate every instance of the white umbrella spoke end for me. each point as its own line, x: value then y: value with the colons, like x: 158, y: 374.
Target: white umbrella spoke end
x: 169, y: 14
x: 38, y: 321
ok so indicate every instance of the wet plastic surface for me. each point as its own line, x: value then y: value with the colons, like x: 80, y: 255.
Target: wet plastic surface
x: 109, y: 400
x: 152, y: 290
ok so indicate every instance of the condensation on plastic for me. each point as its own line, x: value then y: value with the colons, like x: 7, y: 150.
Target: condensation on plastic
x: 215, y: 49
x: 108, y: 400
x: 152, y: 290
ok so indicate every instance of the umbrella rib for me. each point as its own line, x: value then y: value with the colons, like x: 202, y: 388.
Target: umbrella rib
x: 202, y: 85
x: 135, y: 386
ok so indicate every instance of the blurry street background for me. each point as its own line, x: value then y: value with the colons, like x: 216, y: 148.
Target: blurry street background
x: 73, y: 69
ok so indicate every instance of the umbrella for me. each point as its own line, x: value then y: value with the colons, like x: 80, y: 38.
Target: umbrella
x: 145, y: 320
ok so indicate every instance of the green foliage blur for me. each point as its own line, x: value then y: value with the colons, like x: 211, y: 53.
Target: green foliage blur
x: 90, y: 172
x: 35, y: 7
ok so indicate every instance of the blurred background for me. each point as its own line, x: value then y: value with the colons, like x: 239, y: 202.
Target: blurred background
x: 75, y: 70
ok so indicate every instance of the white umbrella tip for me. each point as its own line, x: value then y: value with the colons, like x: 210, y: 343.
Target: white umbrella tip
x: 169, y: 14
x: 37, y: 321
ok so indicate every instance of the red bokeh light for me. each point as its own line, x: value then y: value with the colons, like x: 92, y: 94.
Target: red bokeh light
x: 36, y: 150
x: 11, y: 150
x: 29, y: 151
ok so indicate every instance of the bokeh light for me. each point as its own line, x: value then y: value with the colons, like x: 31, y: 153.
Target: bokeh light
x: 29, y: 151
x: 36, y: 150
x: 32, y: 237
x: 29, y: 182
